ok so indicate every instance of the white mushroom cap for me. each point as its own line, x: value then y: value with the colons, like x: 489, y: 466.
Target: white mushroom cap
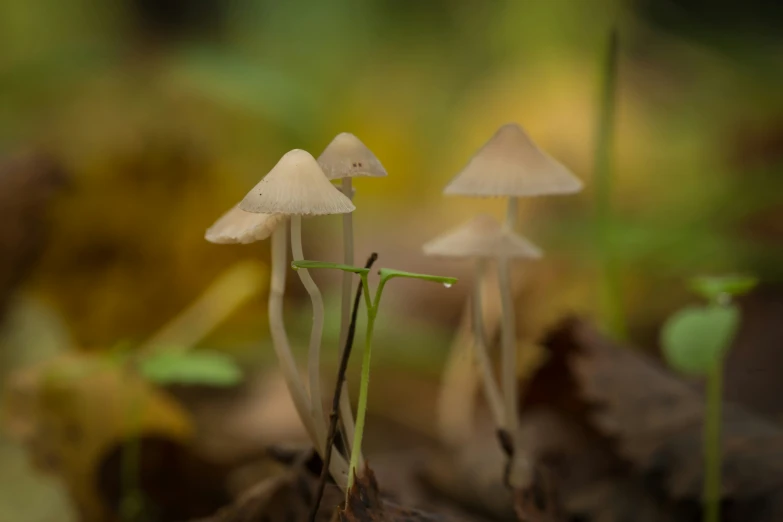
x: 296, y: 186
x: 238, y: 226
x: 482, y: 236
x: 510, y: 164
x: 347, y: 157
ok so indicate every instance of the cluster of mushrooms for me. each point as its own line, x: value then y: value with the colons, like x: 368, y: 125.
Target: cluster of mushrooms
x: 508, y: 165
x: 297, y: 186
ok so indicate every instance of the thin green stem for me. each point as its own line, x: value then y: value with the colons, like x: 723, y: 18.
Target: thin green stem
x: 364, y: 384
x: 366, y: 293
x: 611, y: 298
x: 346, y: 415
x: 361, y: 408
x: 372, y: 306
x: 712, y: 444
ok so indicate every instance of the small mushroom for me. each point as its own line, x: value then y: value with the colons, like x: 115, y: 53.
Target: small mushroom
x: 238, y: 226
x: 344, y: 158
x: 296, y: 187
x: 484, y: 238
x: 511, y: 165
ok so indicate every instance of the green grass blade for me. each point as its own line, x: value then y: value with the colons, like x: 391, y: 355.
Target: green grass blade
x: 611, y: 293
x: 296, y: 265
x: 390, y: 273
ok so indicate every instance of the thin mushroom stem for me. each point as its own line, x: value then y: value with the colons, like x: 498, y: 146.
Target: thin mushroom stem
x: 346, y: 413
x: 277, y: 328
x: 316, y: 332
x: 509, y: 331
x: 509, y: 346
x: 512, y: 212
x: 491, y: 390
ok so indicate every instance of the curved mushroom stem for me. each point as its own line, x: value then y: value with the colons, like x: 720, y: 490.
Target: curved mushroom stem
x: 491, y: 390
x: 316, y: 332
x: 346, y: 414
x: 277, y: 329
x: 509, y: 331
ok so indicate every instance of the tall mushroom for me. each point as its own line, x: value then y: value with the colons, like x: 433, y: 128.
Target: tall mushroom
x: 483, y: 238
x: 296, y: 187
x: 239, y: 227
x: 511, y: 165
x: 344, y: 158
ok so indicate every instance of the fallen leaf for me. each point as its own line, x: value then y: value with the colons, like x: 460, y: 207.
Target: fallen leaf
x: 74, y: 410
x: 284, y: 497
x: 655, y: 421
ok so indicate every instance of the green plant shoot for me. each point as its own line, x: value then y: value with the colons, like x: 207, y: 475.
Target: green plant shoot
x: 696, y: 338
x: 372, y: 305
x: 695, y: 341
x: 716, y: 288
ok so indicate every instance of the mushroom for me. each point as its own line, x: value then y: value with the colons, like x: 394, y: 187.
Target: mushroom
x: 344, y: 158
x: 511, y: 165
x: 238, y: 226
x: 483, y: 238
x: 296, y: 187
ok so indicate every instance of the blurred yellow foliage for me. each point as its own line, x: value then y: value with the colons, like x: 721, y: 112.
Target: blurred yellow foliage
x: 72, y: 410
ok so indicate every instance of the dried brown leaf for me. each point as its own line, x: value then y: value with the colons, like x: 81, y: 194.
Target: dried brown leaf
x: 281, y: 498
x: 655, y: 420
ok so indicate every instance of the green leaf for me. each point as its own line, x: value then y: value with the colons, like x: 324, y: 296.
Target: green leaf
x: 390, y: 273
x: 199, y: 367
x: 714, y: 287
x: 296, y: 265
x: 696, y: 338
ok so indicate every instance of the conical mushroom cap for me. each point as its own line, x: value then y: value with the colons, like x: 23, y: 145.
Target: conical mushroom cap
x: 510, y: 164
x: 238, y: 226
x: 347, y: 157
x: 296, y: 186
x: 482, y: 236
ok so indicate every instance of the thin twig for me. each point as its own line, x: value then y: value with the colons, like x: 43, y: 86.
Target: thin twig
x: 334, y: 415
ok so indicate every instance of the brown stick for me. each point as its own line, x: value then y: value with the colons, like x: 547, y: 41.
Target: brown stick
x: 334, y: 415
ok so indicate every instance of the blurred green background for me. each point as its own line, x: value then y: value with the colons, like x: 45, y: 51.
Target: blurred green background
x: 161, y: 114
